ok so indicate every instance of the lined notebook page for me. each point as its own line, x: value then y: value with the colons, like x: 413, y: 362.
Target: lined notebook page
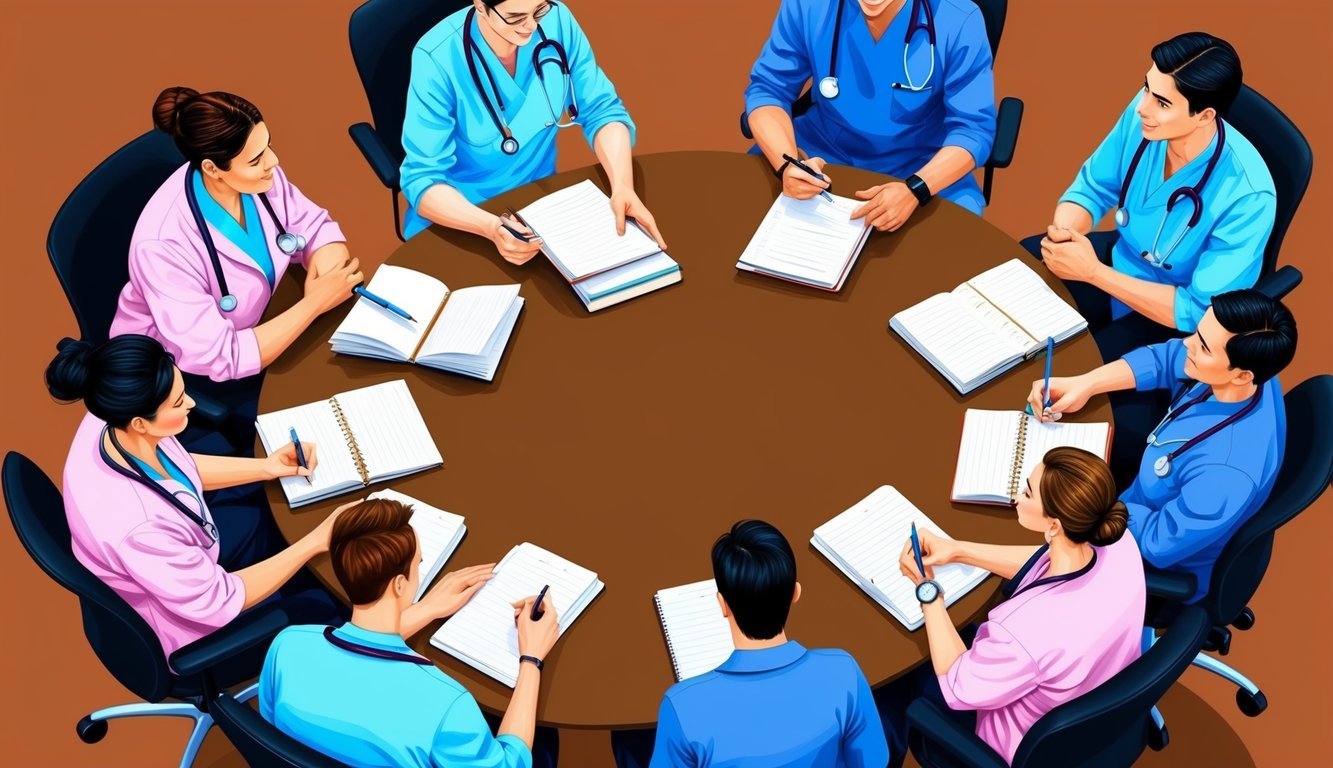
x: 954, y: 335
x: 389, y: 429
x: 996, y: 320
x: 986, y: 455
x: 368, y: 324
x: 579, y: 230
x: 868, y: 538
x: 438, y: 534
x: 807, y: 240
x: 1017, y: 290
x: 1091, y: 437
x: 483, y: 632
x: 698, y: 635
x: 469, y: 320
x: 314, y: 423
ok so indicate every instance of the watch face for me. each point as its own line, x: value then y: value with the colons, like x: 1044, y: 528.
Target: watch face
x: 927, y: 591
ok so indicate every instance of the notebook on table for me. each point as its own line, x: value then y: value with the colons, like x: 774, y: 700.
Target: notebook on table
x: 463, y: 331
x: 363, y: 436
x: 438, y: 535
x: 988, y: 324
x: 698, y: 636
x: 483, y: 634
x: 865, y: 543
x: 812, y: 242
x: 999, y: 449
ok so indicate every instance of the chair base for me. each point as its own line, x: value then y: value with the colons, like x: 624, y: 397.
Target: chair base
x: 93, y: 727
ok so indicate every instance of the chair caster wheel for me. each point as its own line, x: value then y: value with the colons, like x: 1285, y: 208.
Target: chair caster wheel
x: 1252, y: 704
x: 1244, y: 621
x: 91, y: 731
x: 1158, y: 738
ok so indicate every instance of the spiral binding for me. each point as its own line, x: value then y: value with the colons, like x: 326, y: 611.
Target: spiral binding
x: 1020, y: 448
x: 352, y: 447
x: 671, y: 649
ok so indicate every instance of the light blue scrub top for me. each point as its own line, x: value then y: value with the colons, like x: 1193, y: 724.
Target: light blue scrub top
x: 448, y: 135
x: 375, y: 712
x: 1223, y: 252
x: 1183, y: 521
x: 870, y: 124
x: 250, y: 238
x: 174, y: 471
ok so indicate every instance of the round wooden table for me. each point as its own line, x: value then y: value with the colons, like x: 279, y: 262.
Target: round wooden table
x: 629, y: 439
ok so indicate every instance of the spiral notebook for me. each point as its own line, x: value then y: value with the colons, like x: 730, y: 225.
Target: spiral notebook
x: 362, y: 436
x: 999, y: 449
x: 438, y: 535
x: 698, y: 636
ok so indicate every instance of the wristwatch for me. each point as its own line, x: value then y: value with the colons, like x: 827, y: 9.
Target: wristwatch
x: 919, y: 188
x: 536, y: 662
x: 928, y: 591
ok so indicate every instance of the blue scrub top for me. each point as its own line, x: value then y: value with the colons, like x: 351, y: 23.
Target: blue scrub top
x: 1183, y: 521
x: 1223, y: 252
x: 870, y: 124
x: 450, y: 138
x: 250, y: 238
x: 373, y: 712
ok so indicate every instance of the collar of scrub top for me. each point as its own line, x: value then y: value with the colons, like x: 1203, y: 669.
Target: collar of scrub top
x: 139, y: 475
x: 286, y: 241
x: 374, y: 653
x: 828, y: 87
x: 763, y: 659
x: 1192, y: 193
x: 472, y: 54
x: 1162, y: 466
x: 1012, y: 590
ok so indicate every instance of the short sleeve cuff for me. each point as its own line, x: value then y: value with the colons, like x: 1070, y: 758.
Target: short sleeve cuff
x: 1144, y: 365
x: 978, y: 148
x: 515, y: 748
x: 414, y: 189
x: 1187, y: 311
x: 329, y: 232
x: 1094, y: 209
x: 590, y: 130
x: 248, y: 362
x: 766, y: 100
x: 235, y: 602
x: 946, y: 688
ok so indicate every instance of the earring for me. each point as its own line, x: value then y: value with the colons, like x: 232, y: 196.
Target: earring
x: 1048, y: 535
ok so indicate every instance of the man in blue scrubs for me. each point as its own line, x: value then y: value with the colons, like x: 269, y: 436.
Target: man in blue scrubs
x: 1187, y: 501
x: 905, y: 107
x: 772, y: 702
x: 359, y: 694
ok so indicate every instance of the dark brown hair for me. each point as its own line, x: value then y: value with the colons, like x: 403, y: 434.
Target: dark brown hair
x: 1077, y: 489
x: 206, y: 126
x: 372, y: 543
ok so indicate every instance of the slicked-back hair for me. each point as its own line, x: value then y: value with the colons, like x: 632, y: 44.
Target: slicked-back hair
x: 1206, y: 70
x: 1265, y: 340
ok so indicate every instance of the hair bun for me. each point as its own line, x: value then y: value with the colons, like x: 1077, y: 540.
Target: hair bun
x: 1112, y: 526
x: 68, y: 374
x: 167, y: 108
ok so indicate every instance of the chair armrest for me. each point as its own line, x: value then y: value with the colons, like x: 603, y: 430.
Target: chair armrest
x: 1008, y: 119
x: 376, y: 153
x: 243, y: 633
x: 931, y: 731
x: 1280, y: 283
x: 1171, y: 586
x: 207, y: 412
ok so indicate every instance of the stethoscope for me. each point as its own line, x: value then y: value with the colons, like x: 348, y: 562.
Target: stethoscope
x: 828, y: 87
x: 1010, y: 593
x: 1193, y: 194
x: 1162, y: 466
x: 374, y: 653
x: 286, y: 241
x: 139, y: 476
x: 509, y: 144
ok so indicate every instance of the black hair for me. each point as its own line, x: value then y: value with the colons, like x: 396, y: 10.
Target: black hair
x: 1206, y: 70
x: 1265, y: 340
x: 120, y: 379
x: 206, y: 126
x: 755, y: 572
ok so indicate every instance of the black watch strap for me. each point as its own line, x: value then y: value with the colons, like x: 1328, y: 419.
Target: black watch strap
x: 782, y: 169
x: 536, y: 662
x: 919, y: 188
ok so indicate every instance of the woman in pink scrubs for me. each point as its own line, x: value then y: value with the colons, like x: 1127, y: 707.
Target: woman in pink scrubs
x: 134, y: 498
x: 209, y: 249
x: 1072, y: 615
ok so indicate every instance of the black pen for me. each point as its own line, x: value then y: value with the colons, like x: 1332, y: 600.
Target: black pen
x: 537, y: 611
x: 824, y: 192
x: 513, y: 231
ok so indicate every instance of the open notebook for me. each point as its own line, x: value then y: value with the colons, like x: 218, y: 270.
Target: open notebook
x: 438, y: 535
x: 698, y: 636
x: 865, y: 542
x: 462, y: 331
x: 363, y: 436
x: 999, y: 449
x: 483, y: 634
x: 987, y: 325
x: 812, y: 242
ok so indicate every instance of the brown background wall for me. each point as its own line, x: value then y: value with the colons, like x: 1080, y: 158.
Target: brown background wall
x: 78, y: 81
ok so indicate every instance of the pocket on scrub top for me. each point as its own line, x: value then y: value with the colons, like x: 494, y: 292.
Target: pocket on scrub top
x: 910, y: 106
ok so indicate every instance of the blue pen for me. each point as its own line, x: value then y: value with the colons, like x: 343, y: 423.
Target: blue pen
x: 300, y: 454
x: 916, y: 552
x: 1046, y: 384
x: 823, y: 193
x: 537, y: 611
x: 513, y: 231
x: 363, y: 293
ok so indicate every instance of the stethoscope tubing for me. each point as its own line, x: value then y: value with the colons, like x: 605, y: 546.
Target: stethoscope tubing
x: 138, y: 476
x: 828, y: 86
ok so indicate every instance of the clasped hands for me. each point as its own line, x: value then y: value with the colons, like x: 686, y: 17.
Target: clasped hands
x: 1069, y: 254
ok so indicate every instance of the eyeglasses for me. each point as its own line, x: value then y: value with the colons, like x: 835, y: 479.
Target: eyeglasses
x: 537, y: 15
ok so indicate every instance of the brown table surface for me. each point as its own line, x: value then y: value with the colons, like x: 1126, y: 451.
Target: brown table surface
x: 627, y: 440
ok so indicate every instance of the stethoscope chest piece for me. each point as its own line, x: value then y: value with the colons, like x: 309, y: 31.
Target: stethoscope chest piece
x: 1122, y: 217
x: 1162, y: 467
x: 828, y: 87
x: 227, y: 303
x: 509, y: 146
x: 289, y: 243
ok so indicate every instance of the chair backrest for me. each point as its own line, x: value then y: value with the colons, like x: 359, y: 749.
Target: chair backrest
x: 1307, y: 470
x: 1286, y: 153
x: 993, y: 11
x: 261, y: 743
x: 382, y: 35
x: 89, y: 241
x: 1108, y: 725
x: 122, y: 640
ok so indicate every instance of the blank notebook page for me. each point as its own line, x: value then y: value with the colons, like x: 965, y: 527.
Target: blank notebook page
x: 1025, y: 297
x: 986, y: 453
x: 389, y: 429
x: 698, y: 635
x: 955, y: 335
x: 469, y: 320
x: 810, y: 240
x: 578, y: 227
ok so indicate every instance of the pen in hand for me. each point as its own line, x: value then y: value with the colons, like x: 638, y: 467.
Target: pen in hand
x: 537, y: 611
x: 823, y: 192
x: 300, y: 454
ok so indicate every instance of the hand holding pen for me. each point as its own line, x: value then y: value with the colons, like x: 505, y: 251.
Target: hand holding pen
x: 804, y: 180
x: 513, y: 239
x: 295, y: 458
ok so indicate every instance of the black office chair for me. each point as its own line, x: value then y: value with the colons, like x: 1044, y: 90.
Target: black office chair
x: 1307, y: 470
x: 1008, y: 116
x: 382, y: 35
x: 122, y: 640
x: 1108, y: 726
x: 89, y: 240
x: 260, y: 742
